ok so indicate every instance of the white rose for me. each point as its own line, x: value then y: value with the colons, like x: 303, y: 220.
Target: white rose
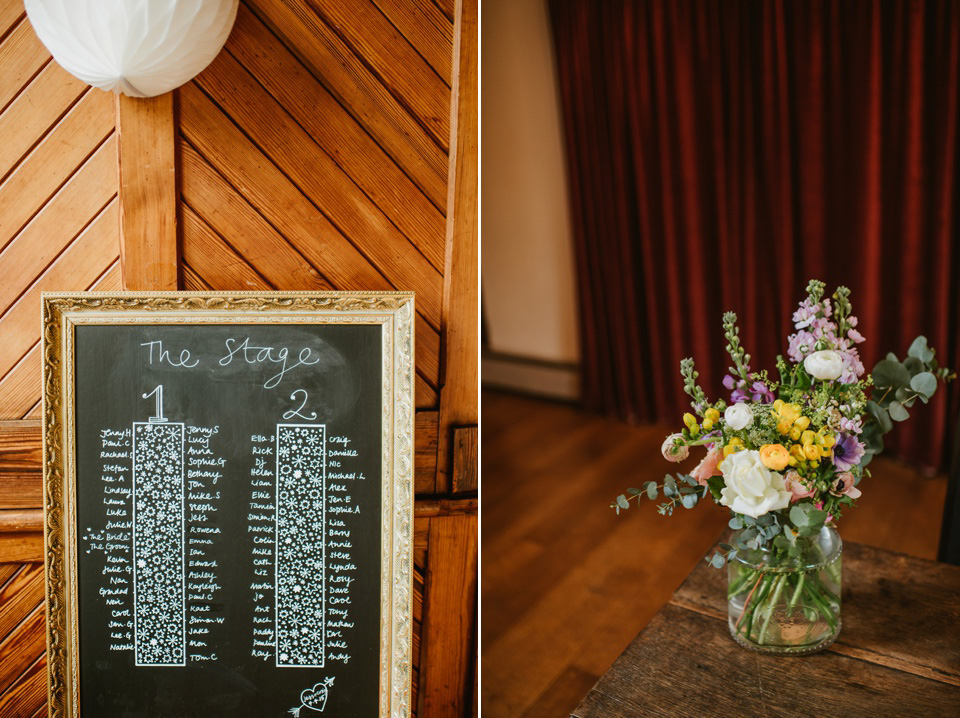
x: 750, y: 488
x: 738, y: 416
x: 673, y: 449
x: 825, y: 365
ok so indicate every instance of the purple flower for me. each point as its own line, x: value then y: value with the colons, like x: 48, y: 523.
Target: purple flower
x: 761, y: 393
x: 729, y: 382
x: 847, y: 452
x: 739, y: 397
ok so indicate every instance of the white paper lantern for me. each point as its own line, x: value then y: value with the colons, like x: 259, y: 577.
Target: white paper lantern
x: 141, y: 48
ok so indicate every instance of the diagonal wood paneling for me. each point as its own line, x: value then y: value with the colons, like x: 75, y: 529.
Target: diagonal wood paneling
x: 23, y: 689
x: 58, y: 188
x: 346, y: 76
x: 294, y: 177
x: 425, y: 27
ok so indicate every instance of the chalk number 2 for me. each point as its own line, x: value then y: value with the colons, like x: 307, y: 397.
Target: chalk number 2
x: 296, y: 412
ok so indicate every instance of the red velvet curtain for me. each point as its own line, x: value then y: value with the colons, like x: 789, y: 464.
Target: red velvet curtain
x: 723, y: 153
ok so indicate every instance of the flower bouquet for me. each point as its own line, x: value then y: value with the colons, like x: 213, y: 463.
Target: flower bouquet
x: 787, y: 457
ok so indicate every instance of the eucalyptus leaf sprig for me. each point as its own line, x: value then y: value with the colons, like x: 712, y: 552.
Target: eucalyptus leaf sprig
x: 686, y: 492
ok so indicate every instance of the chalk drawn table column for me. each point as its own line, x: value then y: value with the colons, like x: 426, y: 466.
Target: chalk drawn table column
x: 159, y: 606
x: 300, y: 590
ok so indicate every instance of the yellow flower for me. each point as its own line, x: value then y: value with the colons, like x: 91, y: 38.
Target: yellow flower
x: 795, y: 433
x: 774, y: 456
x: 690, y: 420
x: 829, y: 440
x: 796, y: 451
x: 735, y: 445
x: 783, y: 426
x: 808, y: 437
x: 811, y: 452
x: 802, y: 423
x: 711, y: 415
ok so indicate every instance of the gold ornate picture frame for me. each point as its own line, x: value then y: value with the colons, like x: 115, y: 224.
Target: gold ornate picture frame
x: 63, y: 313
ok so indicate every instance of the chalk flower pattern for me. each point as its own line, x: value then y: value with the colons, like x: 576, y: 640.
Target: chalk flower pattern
x: 300, y: 545
x: 158, y: 524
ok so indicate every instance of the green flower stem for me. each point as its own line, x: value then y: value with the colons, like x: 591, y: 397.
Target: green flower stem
x: 796, y: 593
x: 771, y: 606
x: 766, y: 581
x: 740, y: 583
x: 822, y: 607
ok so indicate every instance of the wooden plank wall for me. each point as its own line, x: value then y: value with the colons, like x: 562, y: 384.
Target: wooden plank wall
x: 313, y: 153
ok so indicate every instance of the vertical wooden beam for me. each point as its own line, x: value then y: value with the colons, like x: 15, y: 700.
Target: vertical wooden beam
x: 450, y: 606
x: 147, y: 192
x: 461, y: 297
x: 465, y: 460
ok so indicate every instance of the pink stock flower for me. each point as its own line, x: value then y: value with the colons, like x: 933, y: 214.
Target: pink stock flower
x: 708, y: 467
x: 794, y: 484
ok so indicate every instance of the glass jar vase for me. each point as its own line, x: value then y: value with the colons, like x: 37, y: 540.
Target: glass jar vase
x: 783, y: 603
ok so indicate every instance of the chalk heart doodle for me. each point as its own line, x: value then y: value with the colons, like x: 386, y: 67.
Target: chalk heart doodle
x: 313, y: 700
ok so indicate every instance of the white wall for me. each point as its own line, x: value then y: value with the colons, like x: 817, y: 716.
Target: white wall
x: 529, y: 289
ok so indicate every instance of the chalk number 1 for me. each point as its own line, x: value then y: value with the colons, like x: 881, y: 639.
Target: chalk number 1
x: 158, y: 392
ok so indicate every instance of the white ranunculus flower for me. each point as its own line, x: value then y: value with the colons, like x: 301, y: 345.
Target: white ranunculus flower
x: 738, y: 416
x: 825, y: 365
x: 750, y: 488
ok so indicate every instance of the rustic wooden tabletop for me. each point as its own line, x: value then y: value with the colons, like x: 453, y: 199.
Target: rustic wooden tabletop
x: 898, y: 653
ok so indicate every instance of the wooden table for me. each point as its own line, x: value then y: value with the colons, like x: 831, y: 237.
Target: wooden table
x: 898, y: 653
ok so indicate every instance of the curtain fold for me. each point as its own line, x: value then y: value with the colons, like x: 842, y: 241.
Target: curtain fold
x: 723, y: 153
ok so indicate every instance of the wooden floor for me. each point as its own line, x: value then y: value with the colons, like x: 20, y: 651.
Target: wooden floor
x: 567, y: 584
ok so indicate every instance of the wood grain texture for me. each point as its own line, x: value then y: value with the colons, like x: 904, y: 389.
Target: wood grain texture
x: 147, y: 191
x: 64, y: 216
x: 22, y: 55
x: 348, y: 79
x: 461, y: 294
x: 725, y: 679
x: 21, y: 520
x: 896, y: 610
x: 465, y: 460
x: 20, y: 595
x: 48, y: 96
x: 424, y: 508
x: 568, y: 584
x: 338, y: 134
x: 84, y: 259
x: 425, y: 452
x: 28, y: 695
x: 396, y: 64
x: 53, y: 161
x: 315, y: 174
x: 10, y: 12
x: 240, y: 188
x: 20, y: 387
x: 450, y: 599
x: 22, y: 642
x: 20, y: 648
x: 21, y: 546
x: 425, y: 26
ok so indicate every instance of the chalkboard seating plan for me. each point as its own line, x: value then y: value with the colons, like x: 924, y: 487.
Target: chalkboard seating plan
x: 228, y: 485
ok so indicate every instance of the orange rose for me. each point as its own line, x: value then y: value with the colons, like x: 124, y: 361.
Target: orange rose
x: 774, y: 457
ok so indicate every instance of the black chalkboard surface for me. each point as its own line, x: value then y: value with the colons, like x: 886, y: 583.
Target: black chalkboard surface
x: 227, y: 525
